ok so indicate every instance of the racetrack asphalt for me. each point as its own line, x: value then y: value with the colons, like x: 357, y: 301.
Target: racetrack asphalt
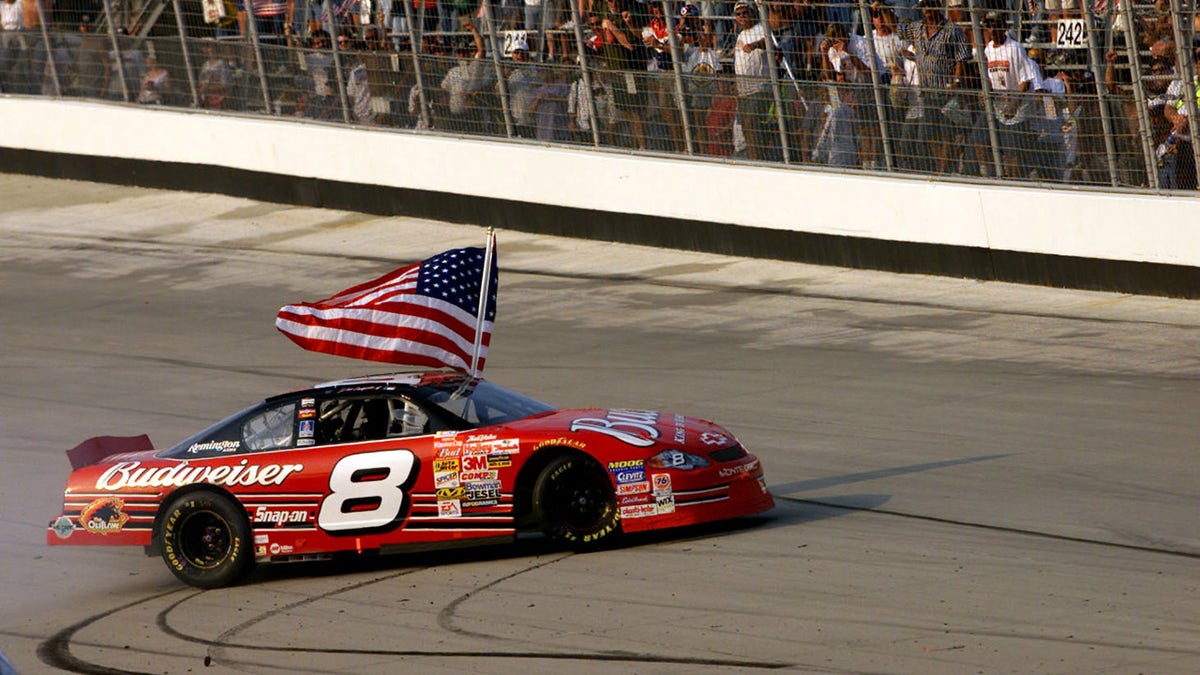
x: 970, y: 477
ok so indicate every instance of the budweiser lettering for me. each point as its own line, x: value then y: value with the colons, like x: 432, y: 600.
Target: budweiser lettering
x: 134, y: 475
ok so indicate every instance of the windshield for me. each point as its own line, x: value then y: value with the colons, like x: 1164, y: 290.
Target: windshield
x: 224, y: 437
x: 476, y: 403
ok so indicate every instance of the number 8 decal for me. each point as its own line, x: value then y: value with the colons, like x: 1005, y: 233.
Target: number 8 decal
x: 365, y: 491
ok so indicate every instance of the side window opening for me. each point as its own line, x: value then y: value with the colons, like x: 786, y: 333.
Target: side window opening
x: 271, y: 429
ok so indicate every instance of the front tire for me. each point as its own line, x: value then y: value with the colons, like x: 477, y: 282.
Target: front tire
x: 206, y: 540
x: 574, y: 503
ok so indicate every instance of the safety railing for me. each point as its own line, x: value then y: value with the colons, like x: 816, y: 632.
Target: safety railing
x: 998, y: 90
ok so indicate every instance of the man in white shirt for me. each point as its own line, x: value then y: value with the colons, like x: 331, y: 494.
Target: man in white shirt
x: 753, y: 71
x: 1012, y: 74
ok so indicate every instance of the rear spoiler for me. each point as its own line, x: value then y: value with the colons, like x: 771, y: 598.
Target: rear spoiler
x: 95, y: 449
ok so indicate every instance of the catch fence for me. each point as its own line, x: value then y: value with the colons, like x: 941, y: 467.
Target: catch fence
x: 1090, y: 94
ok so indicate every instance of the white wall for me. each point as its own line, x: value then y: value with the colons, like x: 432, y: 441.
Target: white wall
x: 1088, y: 224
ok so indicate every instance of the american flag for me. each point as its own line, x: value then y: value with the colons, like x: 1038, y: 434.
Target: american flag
x: 425, y: 314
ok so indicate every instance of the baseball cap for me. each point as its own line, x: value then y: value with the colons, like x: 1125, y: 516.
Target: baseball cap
x: 743, y: 4
x: 520, y: 46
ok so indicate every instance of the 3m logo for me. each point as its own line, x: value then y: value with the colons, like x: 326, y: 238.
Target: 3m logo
x: 475, y: 463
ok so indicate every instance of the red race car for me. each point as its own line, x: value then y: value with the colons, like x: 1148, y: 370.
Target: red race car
x: 400, y: 462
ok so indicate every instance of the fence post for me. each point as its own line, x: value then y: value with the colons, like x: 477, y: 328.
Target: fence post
x: 1187, y: 71
x: 1110, y: 149
x: 1139, y: 95
x: 680, y: 97
x: 49, y: 49
x: 586, y: 74
x: 252, y: 22
x: 112, y: 35
x: 989, y: 108
x: 413, y: 43
x: 880, y: 110
x: 501, y: 83
x: 769, y: 43
x: 187, y: 58
x: 336, y: 53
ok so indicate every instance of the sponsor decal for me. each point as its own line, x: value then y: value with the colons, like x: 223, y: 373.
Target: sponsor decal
x: 280, y: 516
x: 305, y: 442
x: 713, y: 438
x: 307, y: 413
x: 446, y: 480
x: 482, y: 494
x: 680, y: 429
x: 499, y: 461
x: 730, y: 471
x: 638, y: 511
x: 260, y: 551
x: 661, y: 482
x: 626, y: 500
x: 633, y: 488
x: 450, y: 493
x: 308, y: 403
x: 445, y: 465
x: 633, y: 427
x: 474, y: 476
x: 262, y: 538
x: 664, y: 504
x: 307, y: 428
x: 561, y: 441
x: 280, y: 549
x: 623, y: 477
x: 450, y: 508
x: 124, y: 475
x: 104, y: 516
x: 63, y: 527
x: 626, y: 464
x: 214, y: 446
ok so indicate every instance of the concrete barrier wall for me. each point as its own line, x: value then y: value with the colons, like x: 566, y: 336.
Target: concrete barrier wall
x: 1082, y: 238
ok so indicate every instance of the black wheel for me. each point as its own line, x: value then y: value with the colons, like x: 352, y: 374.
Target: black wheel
x: 574, y: 502
x: 206, y: 540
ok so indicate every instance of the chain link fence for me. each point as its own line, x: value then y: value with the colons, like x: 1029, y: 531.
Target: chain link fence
x: 1042, y: 91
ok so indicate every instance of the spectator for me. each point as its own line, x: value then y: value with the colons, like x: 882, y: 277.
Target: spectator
x: 270, y: 19
x: 549, y: 108
x: 661, y: 80
x: 12, y: 47
x: 156, y: 84
x: 358, y: 83
x: 624, y: 57
x: 319, y: 101
x: 132, y: 64
x: 753, y: 72
x: 216, y: 78
x: 700, y: 66
x: 720, y: 120
x: 941, y: 54
x: 890, y: 51
x: 523, y: 81
x: 1011, y: 74
x: 88, y: 54
x: 466, y: 81
x: 846, y: 58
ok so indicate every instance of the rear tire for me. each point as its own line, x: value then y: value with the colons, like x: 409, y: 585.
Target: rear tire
x: 206, y: 540
x: 574, y: 502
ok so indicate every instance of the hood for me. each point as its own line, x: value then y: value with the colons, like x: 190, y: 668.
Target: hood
x: 638, y: 428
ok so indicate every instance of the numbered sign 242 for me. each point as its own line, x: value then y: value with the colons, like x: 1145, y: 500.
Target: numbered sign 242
x: 1071, y: 34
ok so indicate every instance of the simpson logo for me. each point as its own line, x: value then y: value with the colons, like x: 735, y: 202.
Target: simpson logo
x: 633, y: 488
x: 280, y: 517
x: 638, y: 511
x: 104, y: 516
x: 133, y: 475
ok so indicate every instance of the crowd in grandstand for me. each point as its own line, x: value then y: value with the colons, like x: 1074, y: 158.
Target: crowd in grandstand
x: 986, y: 88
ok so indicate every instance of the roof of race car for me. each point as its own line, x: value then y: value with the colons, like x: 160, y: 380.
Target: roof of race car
x: 386, y: 381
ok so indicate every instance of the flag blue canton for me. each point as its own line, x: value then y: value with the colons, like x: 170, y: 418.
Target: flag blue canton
x: 455, y: 277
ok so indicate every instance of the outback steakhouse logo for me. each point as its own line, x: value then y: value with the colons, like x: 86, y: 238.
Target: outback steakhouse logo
x: 104, y: 516
x: 133, y: 475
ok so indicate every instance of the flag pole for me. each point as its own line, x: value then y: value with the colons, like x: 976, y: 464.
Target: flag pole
x: 489, y: 254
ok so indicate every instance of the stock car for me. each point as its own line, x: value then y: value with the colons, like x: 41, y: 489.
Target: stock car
x: 405, y: 461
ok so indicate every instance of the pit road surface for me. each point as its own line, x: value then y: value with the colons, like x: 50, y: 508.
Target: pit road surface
x: 970, y: 477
